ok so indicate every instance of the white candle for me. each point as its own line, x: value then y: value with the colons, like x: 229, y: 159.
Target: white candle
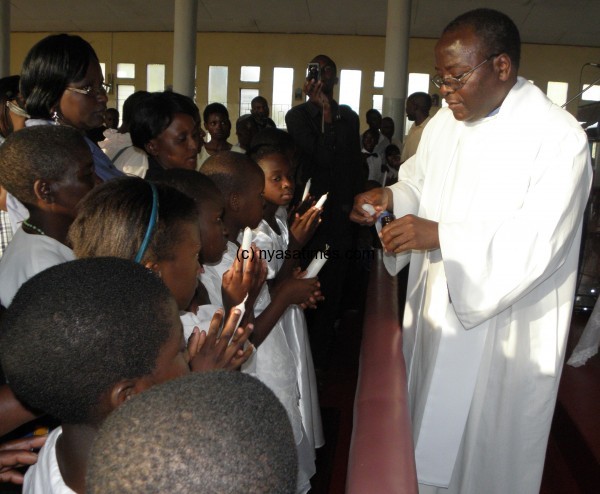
x: 315, y: 266
x: 321, y: 201
x: 306, y: 189
x: 242, y: 308
x: 246, y: 240
x: 384, y: 179
x: 369, y: 209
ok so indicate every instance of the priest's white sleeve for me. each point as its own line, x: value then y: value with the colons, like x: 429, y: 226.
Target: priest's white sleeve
x: 490, y: 265
x: 406, y: 196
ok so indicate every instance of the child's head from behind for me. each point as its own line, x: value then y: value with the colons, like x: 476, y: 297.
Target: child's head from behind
x: 99, y: 331
x: 114, y: 220
x: 214, y: 422
x: 242, y: 182
x: 279, y: 182
x: 370, y: 139
x: 211, y: 208
x: 47, y: 166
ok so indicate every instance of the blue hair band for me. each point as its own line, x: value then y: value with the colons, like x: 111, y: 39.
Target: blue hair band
x: 151, y: 225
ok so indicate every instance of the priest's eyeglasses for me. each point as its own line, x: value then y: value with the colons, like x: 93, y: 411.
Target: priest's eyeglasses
x: 91, y: 91
x: 456, y: 83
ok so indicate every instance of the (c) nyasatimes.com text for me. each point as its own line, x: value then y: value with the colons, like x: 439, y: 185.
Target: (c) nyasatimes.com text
x: 279, y: 254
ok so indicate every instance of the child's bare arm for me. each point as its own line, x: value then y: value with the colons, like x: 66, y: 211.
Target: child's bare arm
x: 293, y: 290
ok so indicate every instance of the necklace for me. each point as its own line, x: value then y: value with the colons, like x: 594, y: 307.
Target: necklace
x: 33, y: 227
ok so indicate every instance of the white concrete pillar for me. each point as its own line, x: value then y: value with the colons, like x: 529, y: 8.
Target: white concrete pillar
x: 4, y: 38
x: 396, y: 63
x: 184, y: 47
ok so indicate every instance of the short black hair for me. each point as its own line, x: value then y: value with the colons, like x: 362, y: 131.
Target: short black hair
x: 373, y: 111
x: 230, y: 171
x: 214, y: 108
x: 327, y: 60
x: 258, y: 98
x: 247, y: 121
x: 154, y: 113
x: 422, y: 100
x: 130, y: 105
x: 258, y: 153
x: 273, y: 137
x: 193, y: 184
x: 113, y: 218
x: 39, y: 152
x: 391, y: 149
x: 495, y: 29
x: 76, y: 329
x: 9, y: 91
x: 374, y: 133
x: 49, y: 67
x: 218, y: 431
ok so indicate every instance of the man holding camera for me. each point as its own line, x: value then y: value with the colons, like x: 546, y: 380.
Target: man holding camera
x: 327, y: 137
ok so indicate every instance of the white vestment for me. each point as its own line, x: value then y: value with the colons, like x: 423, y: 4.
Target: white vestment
x: 488, y: 313
x: 44, y: 477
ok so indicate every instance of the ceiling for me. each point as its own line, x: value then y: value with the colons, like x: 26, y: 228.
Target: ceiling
x: 563, y: 22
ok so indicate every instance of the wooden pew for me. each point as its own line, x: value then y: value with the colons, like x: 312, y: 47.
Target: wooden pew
x: 381, y: 456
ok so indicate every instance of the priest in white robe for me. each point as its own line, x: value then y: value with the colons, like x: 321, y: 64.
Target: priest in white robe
x: 489, y: 215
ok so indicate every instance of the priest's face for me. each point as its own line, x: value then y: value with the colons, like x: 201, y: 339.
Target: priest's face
x: 456, y: 53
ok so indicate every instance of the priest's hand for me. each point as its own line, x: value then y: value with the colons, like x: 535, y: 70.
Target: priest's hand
x: 410, y: 233
x: 378, y: 199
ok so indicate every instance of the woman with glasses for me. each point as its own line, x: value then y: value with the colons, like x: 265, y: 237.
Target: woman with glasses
x: 62, y: 84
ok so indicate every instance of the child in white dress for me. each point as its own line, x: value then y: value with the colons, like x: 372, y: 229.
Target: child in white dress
x: 274, y: 237
x: 241, y: 182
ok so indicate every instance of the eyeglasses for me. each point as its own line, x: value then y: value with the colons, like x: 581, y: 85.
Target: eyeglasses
x: 456, y: 83
x: 90, y: 91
